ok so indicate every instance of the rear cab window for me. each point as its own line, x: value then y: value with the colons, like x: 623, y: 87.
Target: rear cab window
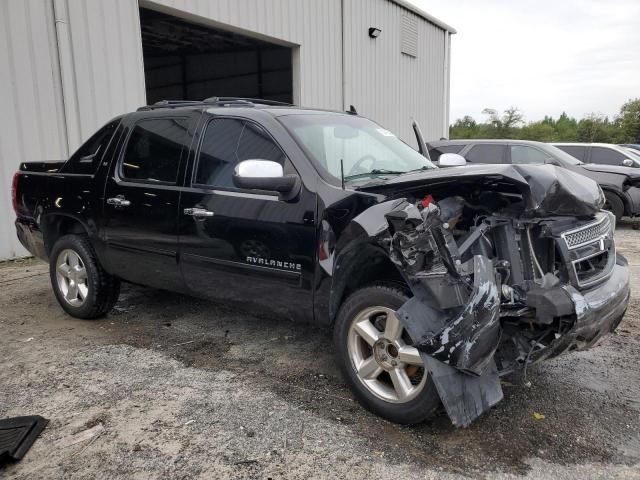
x: 88, y: 157
x: 154, y: 150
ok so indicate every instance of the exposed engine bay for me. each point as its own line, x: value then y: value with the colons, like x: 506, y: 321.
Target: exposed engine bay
x: 499, y: 282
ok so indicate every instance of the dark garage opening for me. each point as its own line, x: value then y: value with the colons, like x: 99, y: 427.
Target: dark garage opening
x: 189, y: 61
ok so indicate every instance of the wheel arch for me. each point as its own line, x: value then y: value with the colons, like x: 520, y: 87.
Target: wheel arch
x: 361, y: 265
x: 620, y: 195
x: 57, y: 225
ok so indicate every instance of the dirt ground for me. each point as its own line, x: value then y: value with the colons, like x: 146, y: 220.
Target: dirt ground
x: 190, y: 389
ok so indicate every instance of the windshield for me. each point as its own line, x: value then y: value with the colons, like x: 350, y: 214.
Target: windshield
x: 635, y: 154
x: 365, y: 149
x: 561, y: 155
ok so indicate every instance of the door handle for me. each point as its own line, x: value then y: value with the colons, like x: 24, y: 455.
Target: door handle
x: 198, y: 212
x: 118, y: 201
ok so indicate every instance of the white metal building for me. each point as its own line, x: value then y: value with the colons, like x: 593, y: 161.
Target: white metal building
x: 68, y: 66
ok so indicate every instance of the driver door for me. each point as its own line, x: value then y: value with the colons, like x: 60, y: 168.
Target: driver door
x: 245, y: 246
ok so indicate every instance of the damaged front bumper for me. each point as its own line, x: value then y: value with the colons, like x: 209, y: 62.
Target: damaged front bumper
x: 598, y: 311
x: 460, y: 354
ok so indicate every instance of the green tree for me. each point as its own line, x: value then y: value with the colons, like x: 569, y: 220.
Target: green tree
x: 465, y: 127
x: 629, y: 121
x: 566, y: 129
x: 625, y: 128
x: 503, y: 126
x: 594, y: 128
x: 539, y: 131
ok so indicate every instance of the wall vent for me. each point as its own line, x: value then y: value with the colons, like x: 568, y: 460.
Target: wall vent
x: 409, y: 35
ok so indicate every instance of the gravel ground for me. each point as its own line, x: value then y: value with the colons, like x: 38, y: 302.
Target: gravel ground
x: 191, y: 389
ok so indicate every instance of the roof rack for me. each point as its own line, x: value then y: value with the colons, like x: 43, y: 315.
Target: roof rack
x: 214, y: 101
x: 257, y: 101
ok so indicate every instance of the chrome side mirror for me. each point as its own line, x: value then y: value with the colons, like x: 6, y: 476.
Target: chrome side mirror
x: 451, y: 160
x: 627, y: 162
x: 263, y: 175
x: 259, y: 169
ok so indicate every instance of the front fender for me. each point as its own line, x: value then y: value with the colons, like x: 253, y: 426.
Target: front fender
x: 358, y: 244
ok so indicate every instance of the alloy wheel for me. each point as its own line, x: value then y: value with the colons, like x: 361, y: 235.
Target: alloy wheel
x: 71, y: 275
x: 382, y: 357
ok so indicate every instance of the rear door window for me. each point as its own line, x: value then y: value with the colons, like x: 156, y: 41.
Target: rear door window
x: 526, y: 155
x: 575, y: 151
x: 487, y: 153
x: 225, y: 143
x: 435, y: 152
x: 154, y: 149
x: 88, y: 157
x: 606, y: 156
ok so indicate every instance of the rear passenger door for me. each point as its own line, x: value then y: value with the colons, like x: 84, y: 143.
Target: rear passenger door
x: 140, y: 212
x: 240, y: 245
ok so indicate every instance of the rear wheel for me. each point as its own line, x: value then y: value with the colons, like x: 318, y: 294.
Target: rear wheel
x: 614, y: 205
x: 386, y: 374
x: 82, y: 287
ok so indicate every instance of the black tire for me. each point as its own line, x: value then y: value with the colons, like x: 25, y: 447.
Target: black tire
x: 414, y: 411
x: 614, y: 204
x: 103, y: 289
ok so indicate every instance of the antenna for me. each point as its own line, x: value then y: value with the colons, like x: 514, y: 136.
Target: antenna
x: 342, y: 173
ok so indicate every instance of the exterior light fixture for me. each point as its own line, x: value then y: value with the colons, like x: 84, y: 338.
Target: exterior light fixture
x: 374, y: 32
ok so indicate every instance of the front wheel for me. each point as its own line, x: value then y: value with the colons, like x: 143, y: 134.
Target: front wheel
x: 385, y: 373
x: 82, y: 287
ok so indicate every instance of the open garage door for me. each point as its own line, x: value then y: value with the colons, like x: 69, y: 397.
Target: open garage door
x: 190, y: 61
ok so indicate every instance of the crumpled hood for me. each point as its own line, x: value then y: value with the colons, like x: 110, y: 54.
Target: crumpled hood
x: 546, y: 189
x: 630, y: 172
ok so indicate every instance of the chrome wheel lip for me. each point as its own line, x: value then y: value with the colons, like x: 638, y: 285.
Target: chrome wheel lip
x: 71, y: 277
x: 368, y: 366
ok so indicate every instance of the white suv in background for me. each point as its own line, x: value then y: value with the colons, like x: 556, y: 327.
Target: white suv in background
x: 602, y: 153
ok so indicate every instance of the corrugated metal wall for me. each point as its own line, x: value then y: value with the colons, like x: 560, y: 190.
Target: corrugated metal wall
x: 388, y: 85
x: 32, y: 122
x: 101, y: 62
x: 68, y: 66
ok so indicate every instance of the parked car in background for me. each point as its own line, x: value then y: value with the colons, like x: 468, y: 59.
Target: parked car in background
x: 601, y: 153
x: 621, y: 185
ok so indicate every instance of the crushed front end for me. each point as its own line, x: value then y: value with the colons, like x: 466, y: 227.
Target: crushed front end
x: 575, y: 290
x: 497, y: 286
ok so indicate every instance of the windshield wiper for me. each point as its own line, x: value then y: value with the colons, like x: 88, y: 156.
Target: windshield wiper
x: 375, y: 171
x: 420, y: 169
x: 381, y: 171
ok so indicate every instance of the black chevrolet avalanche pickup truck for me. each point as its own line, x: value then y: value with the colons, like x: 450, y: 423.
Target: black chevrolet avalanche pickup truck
x: 435, y: 281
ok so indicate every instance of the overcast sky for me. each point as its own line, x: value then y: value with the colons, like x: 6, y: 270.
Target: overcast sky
x: 543, y: 56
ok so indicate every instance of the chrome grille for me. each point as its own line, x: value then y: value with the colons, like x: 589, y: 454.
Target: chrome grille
x: 588, y: 234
